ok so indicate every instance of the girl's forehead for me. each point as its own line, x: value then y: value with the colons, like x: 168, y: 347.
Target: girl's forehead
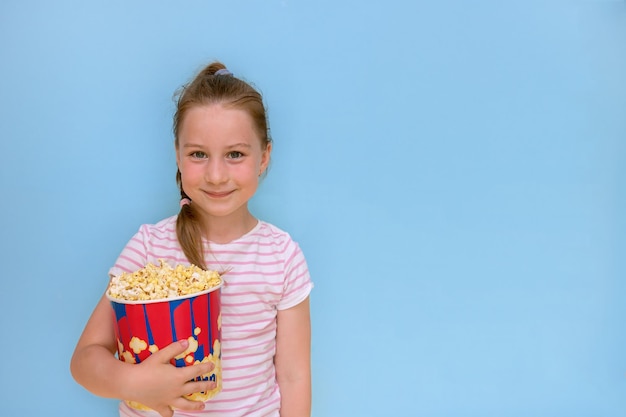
x: 217, y: 125
x: 216, y: 111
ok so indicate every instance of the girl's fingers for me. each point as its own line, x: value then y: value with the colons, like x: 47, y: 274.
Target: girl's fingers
x: 191, y: 388
x: 188, y: 405
x: 165, y: 411
x: 196, y: 370
x: 175, y: 349
x: 170, y: 351
x: 199, y: 386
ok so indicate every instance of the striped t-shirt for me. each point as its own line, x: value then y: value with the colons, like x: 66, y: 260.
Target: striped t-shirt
x: 267, y: 272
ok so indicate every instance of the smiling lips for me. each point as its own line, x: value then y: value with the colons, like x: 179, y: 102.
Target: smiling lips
x: 215, y: 194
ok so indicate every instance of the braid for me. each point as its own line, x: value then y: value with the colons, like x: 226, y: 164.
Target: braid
x: 190, y: 236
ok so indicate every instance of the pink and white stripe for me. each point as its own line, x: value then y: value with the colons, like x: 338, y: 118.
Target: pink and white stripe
x: 267, y: 272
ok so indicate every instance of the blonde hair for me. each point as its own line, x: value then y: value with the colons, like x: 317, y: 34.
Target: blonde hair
x: 213, y: 85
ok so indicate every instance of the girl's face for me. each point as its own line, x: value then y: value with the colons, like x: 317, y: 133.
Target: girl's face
x: 220, y: 159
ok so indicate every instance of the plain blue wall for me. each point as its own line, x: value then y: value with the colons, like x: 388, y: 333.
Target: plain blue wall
x: 455, y: 172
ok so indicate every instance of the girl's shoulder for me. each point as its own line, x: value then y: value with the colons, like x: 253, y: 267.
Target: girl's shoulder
x: 273, y: 239
x: 264, y: 239
x: 149, y: 244
x: 271, y: 229
x: 162, y: 228
x: 271, y: 233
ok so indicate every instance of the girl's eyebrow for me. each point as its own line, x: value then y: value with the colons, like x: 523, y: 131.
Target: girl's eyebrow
x: 236, y: 145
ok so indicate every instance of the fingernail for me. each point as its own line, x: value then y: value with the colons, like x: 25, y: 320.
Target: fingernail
x: 184, y: 343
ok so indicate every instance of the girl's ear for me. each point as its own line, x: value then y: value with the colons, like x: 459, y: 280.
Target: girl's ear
x: 265, y: 157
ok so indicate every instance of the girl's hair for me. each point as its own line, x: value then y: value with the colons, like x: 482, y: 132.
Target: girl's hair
x: 213, y: 85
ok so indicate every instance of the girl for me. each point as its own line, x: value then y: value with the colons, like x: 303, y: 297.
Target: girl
x: 222, y: 150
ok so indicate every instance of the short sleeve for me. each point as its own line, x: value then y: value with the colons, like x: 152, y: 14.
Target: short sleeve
x: 297, y: 285
x: 134, y: 255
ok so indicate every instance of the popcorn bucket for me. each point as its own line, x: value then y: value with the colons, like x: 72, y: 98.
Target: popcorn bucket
x: 144, y: 327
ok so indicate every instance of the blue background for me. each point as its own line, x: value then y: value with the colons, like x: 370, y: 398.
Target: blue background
x: 454, y: 171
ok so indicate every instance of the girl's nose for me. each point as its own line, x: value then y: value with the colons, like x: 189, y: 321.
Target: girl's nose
x: 216, y: 172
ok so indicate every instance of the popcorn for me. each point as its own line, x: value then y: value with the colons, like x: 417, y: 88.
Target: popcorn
x: 163, y: 281
x: 158, y: 305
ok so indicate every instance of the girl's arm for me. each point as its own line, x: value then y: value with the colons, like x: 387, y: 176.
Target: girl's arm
x: 293, y: 360
x: 154, y: 382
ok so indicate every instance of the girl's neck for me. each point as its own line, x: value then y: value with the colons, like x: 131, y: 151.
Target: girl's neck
x: 224, y: 230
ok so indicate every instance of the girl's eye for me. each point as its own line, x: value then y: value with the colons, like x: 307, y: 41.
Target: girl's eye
x: 234, y: 155
x: 198, y: 155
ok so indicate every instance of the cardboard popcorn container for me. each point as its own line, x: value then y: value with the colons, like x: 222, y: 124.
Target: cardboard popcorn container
x: 143, y: 327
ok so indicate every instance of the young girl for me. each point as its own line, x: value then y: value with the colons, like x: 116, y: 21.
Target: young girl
x: 222, y: 150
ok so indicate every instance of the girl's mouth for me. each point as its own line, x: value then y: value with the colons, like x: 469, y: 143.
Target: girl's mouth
x: 221, y: 194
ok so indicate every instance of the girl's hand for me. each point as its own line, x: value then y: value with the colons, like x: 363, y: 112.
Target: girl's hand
x: 157, y: 384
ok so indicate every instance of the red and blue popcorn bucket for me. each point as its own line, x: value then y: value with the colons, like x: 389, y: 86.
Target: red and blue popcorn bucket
x: 143, y: 327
